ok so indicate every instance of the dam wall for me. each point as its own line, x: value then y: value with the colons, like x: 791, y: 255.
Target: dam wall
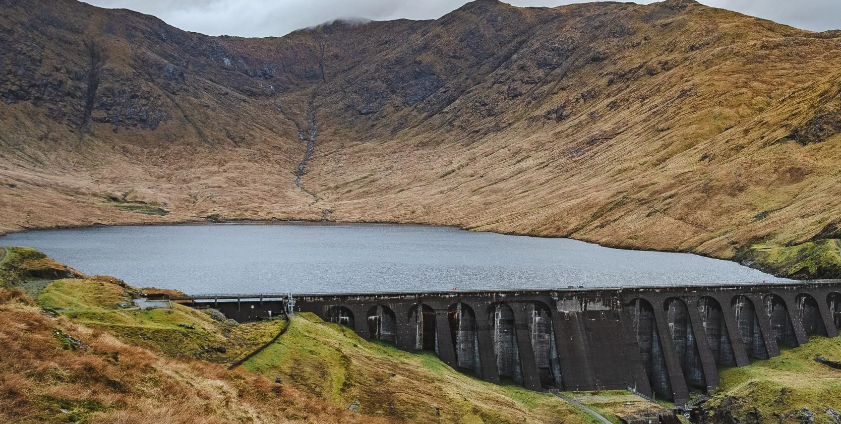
x: 660, y: 341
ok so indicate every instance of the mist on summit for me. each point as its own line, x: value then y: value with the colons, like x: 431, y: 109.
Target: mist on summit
x: 267, y: 18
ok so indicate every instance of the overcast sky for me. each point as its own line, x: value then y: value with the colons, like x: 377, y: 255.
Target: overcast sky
x: 261, y: 18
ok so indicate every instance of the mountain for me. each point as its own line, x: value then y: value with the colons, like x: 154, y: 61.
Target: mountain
x: 670, y: 126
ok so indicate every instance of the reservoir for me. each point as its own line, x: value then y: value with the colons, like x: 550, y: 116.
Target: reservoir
x: 363, y: 258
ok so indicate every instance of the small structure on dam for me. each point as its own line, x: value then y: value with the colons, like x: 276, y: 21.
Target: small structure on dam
x: 660, y: 341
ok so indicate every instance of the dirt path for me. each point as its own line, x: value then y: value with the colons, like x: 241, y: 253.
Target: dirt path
x: 589, y: 410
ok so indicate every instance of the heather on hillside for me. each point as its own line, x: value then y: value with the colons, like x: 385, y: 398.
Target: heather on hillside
x: 669, y: 126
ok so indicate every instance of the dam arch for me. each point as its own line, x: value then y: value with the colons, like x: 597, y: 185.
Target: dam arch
x: 683, y: 337
x: 341, y: 315
x: 781, y: 325
x: 382, y: 323
x: 544, y: 344
x: 750, y: 331
x: 809, y: 314
x: 422, y: 318
x: 833, y: 302
x: 644, y: 325
x: 463, y: 331
x: 715, y: 328
x: 506, y: 350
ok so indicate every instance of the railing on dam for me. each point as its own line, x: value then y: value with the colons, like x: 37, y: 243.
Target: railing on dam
x: 664, y: 341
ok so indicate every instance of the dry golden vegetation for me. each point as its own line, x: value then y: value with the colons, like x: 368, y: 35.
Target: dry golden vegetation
x: 61, y: 361
x: 670, y: 126
x: 106, y: 381
x: 56, y: 370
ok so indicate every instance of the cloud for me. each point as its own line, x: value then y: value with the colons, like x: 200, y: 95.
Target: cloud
x: 261, y: 18
x: 815, y: 15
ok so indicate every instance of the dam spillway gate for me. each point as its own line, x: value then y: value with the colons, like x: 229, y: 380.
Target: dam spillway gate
x: 661, y: 341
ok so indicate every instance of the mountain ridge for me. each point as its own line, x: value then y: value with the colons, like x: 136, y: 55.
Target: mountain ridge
x: 670, y: 126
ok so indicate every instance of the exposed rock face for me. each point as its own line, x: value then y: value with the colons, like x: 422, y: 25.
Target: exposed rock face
x: 824, y: 125
x: 647, y: 126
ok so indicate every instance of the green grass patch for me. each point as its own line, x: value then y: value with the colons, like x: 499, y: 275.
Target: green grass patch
x: 431, y: 362
x: 122, y: 203
x: 319, y: 368
x: 69, y: 410
x: 610, y: 417
x: 527, y: 398
x: 179, y: 332
x: 82, y: 295
x: 139, y: 207
x: 783, y: 385
x: 24, y: 263
x: 814, y: 259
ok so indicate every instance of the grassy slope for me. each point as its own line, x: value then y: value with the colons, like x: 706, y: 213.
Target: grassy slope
x: 60, y: 370
x: 180, y: 332
x: 821, y: 257
x: 23, y: 263
x: 778, y: 388
x: 335, y: 364
x: 108, y: 381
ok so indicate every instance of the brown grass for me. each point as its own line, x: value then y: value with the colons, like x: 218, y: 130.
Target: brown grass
x: 107, y: 381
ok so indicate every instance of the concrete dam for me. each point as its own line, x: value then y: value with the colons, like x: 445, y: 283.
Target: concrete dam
x: 660, y: 341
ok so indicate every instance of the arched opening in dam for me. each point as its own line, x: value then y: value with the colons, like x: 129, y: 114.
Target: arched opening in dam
x: 462, y: 321
x: 781, y: 326
x: 422, y: 318
x: 543, y: 344
x: 750, y: 331
x: 683, y: 336
x: 341, y: 315
x: 506, y: 350
x: 648, y: 338
x: 809, y: 313
x: 833, y: 301
x: 715, y: 328
x: 382, y: 323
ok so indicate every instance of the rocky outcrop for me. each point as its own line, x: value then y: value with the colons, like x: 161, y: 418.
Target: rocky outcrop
x: 825, y: 124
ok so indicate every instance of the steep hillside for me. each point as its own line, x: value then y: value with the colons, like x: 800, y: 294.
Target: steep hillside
x: 670, y: 126
x: 56, y: 370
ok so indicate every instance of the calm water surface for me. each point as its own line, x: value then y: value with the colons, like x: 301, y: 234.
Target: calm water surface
x: 337, y: 258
